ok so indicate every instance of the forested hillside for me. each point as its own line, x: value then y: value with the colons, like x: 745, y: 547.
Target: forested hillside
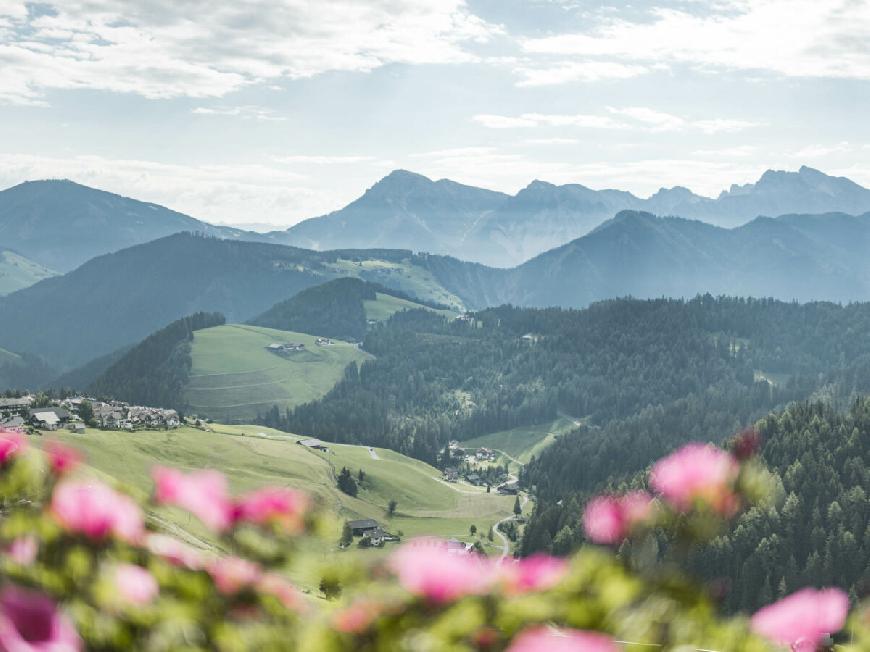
x: 155, y: 372
x: 647, y: 374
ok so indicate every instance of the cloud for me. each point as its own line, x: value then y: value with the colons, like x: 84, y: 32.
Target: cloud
x: 198, y: 48
x: 585, y: 71
x: 795, y: 38
x: 627, y: 118
x: 247, y: 111
x: 308, y: 159
x: 234, y: 193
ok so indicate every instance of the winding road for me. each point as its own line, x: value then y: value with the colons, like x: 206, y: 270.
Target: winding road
x: 505, y: 542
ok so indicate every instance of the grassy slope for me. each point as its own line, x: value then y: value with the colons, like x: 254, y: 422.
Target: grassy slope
x: 409, y: 278
x: 233, y: 376
x: 17, y: 272
x: 524, y: 442
x: 385, y: 306
x: 253, y: 456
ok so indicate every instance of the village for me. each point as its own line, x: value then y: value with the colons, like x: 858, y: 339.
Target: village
x: 29, y: 413
x: 480, y: 469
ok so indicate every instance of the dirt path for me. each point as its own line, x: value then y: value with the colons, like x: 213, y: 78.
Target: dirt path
x: 506, y: 545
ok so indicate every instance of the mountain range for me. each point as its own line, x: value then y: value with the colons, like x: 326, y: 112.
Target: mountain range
x: 60, y: 224
x: 409, y: 211
x: 123, y: 297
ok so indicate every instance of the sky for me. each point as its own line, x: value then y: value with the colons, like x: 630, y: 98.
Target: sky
x: 266, y: 112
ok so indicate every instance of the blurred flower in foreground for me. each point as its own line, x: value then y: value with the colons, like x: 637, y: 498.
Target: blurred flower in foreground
x: 134, y: 585
x: 174, y: 551
x: 609, y: 519
x: 697, y: 472
x: 232, y: 574
x: 31, y: 622
x: 23, y: 550
x: 61, y: 458
x: 803, y: 618
x: 11, y: 444
x: 535, y: 573
x: 284, y: 507
x: 280, y: 588
x: 426, y: 568
x: 357, y: 617
x: 97, y: 511
x: 746, y: 444
x: 202, y: 493
x: 546, y: 639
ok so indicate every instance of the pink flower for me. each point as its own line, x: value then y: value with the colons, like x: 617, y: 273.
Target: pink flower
x: 61, y: 458
x: 203, y: 493
x: 12, y: 443
x: 697, y: 472
x: 803, y: 618
x: 232, y: 574
x: 609, y: 519
x: 174, y: 551
x: 287, y: 594
x: 134, y: 584
x: 535, y: 573
x: 23, y: 550
x: 357, y: 617
x: 97, y: 511
x: 425, y: 567
x: 285, y: 507
x: 31, y: 622
x: 546, y: 639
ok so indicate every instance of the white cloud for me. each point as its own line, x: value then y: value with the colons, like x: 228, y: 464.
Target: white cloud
x: 821, y: 151
x: 234, y: 193
x: 198, y: 48
x: 247, y: 111
x: 796, y: 38
x: 551, y: 141
x: 308, y: 159
x: 629, y: 118
x: 584, y: 71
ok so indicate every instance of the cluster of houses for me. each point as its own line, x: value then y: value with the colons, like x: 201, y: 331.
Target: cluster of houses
x: 23, y: 413
x: 281, y: 348
x: 323, y: 341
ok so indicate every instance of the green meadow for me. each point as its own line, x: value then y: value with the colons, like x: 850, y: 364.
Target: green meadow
x: 234, y: 378
x: 519, y: 445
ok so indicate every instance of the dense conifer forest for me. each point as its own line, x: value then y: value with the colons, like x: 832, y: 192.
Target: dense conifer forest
x: 155, y: 371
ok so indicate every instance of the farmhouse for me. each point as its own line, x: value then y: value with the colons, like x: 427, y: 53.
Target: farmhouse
x: 48, y: 418
x: 509, y: 489
x: 323, y: 341
x: 451, y: 474
x: 15, y: 405
x: 363, y: 527
x: 457, y: 547
x: 316, y: 444
x: 281, y: 348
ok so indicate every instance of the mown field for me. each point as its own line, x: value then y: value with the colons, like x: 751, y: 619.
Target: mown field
x: 518, y: 445
x: 385, y: 306
x: 253, y: 456
x: 234, y: 378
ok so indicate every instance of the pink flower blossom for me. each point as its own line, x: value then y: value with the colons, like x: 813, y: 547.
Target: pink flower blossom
x: 357, y: 617
x: 697, y: 472
x: 61, y: 458
x: 97, y: 511
x: 174, y: 551
x: 232, y: 574
x: 12, y: 443
x: 425, y: 567
x: 202, y: 493
x: 535, y: 573
x: 546, y: 639
x: 802, y: 619
x: 285, y: 507
x: 23, y: 550
x: 609, y: 519
x: 134, y: 584
x: 277, y: 586
x: 31, y: 622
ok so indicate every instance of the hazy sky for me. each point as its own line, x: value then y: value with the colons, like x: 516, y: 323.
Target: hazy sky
x: 273, y: 111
